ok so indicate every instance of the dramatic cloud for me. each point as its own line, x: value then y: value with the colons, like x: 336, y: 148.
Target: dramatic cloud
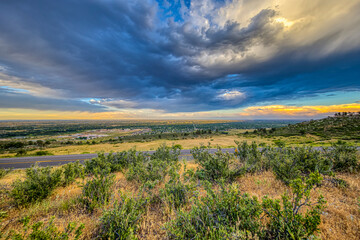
x: 175, y: 57
x: 15, y: 99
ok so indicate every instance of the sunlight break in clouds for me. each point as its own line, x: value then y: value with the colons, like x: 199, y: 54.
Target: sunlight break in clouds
x: 255, y: 112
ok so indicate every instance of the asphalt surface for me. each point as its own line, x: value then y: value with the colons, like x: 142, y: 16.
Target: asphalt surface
x: 56, y: 160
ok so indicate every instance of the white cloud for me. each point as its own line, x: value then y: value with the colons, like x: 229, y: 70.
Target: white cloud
x: 231, y: 95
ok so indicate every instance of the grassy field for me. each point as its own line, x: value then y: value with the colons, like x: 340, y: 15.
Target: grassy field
x: 223, y: 141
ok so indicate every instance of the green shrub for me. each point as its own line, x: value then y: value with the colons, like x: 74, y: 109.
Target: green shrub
x: 343, y: 156
x: 291, y: 163
x: 167, y: 154
x: 280, y: 143
x: 47, y: 231
x: 148, y: 171
x: 231, y: 214
x: 4, y: 172
x: 113, y: 161
x: 3, y: 214
x: 338, y: 182
x: 21, y: 152
x: 218, y: 215
x: 177, y: 146
x: 176, y: 192
x: 38, y: 184
x: 213, y: 167
x: 152, y: 169
x: 122, y: 221
x: 251, y: 159
x: 72, y: 171
x: 42, y: 153
x: 97, y: 191
x: 286, y: 219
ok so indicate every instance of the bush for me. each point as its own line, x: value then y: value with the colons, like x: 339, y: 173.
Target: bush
x: 122, y: 221
x: 280, y: 143
x: 154, y: 168
x: 213, y: 167
x: 218, y: 215
x: 167, y: 154
x: 48, y: 231
x: 97, y: 191
x: 21, y: 152
x: 38, y: 184
x: 42, y: 153
x: 113, y: 161
x: 251, y: 159
x: 4, y: 172
x: 177, y: 193
x: 230, y: 214
x: 343, y: 157
x: 286, y: 220
x: 72, y: 171
x: 291, y: 163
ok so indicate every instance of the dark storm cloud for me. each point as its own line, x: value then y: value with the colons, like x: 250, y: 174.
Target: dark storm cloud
x: 12, y: 99
x: 130, y: 55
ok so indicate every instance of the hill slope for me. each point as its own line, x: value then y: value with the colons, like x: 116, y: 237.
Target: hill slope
x: 345, y: 126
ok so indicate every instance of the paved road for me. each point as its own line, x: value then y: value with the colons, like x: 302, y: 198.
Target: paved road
x: 26, y: 162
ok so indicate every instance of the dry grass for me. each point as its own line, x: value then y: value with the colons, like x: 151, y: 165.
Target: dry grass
x: 223, y: 141
x: 341, y: 219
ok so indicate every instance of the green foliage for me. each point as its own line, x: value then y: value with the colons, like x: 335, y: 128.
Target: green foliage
x: 292, y: 163
x: 3, y: 214
x: 177, y: 193
x: 338, y: 182
x: 251, y: 159
x: 72, y: 171
x: 42, y: 153
x: 213, y: 167
x: 340, y: 126
x: 343, y: 156
x: 178, y: 146
x: 122, y: 221
x: 280, y: 143
x: 151, y: 169
x: 286, y: 219
x: 21, y: 152
x: 38, y: 184
x: 97, y: 191
x: 4, y: 172
x: 41, y: 231
x: 217, y: 216
x: 113, y: 161
x: 230, y: 214
x: 166, y: 154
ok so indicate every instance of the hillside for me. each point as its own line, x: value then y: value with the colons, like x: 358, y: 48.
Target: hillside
x: 342, y: 125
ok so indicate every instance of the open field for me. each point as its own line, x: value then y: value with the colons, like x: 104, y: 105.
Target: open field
x: 222, y: 140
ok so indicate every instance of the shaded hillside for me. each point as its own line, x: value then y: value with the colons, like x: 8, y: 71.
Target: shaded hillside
x: 342, y: 125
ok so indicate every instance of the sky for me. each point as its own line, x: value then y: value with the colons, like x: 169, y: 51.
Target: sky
x: 193, y: 59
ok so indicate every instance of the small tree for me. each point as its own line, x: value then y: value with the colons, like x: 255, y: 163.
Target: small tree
x: 287, y: 220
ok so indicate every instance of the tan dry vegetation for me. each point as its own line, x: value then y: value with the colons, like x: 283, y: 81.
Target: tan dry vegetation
x: 340, y: 220
x: 222, y: 141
